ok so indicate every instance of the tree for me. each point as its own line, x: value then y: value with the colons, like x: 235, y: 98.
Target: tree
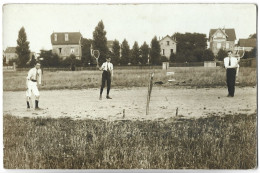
x: 172, y: 57
x: 144, y: 53
x: 33, y: 61
x: 22, y: 48
x: 86, y: 54
x: 116, y: 52
x: 135, y: 53
x: 125, y: 58
x: 100, y: 41
x: 190, y: 41
x: 208, y: 55
x: 155, y: 51
x: 4, y: 60
x: 221, y: 54
x: 198, y: 54
x: 253, y: 35
x: 49, y: 59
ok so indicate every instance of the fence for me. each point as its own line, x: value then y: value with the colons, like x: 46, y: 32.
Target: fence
x: 187, y: 64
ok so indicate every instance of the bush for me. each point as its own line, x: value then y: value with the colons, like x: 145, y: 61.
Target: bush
x: 221, y: 54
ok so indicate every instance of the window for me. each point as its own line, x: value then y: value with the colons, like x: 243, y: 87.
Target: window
x: 163, y: 51
x: 66, y: 37
x: 218, y: 45
x: 55, y: 37
x: 60, y: 50
x: 171, y: 51
x: 168, y: 42
x: 227, y: 45
x: 72, y: 50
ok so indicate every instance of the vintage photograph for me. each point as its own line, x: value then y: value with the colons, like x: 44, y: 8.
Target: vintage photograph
x: 130, y: 86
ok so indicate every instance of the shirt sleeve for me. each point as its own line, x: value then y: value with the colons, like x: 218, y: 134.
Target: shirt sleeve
x: 112, y: 67
x: 29, y: 75
x: 225, y: 62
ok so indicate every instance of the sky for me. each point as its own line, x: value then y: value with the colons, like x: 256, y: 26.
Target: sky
x: 133, y: 22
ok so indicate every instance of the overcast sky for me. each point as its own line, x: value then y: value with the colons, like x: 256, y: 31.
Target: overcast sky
x: 131, y: 22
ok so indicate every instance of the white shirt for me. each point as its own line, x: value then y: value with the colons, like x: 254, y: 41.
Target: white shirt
x: 107, y: 66
x: 35, y: 74
x: 234, y: 62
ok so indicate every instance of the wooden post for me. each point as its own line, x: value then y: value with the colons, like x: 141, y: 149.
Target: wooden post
x: 150, y: 86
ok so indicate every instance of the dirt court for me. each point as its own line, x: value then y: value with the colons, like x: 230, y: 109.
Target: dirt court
x: 82, y: 104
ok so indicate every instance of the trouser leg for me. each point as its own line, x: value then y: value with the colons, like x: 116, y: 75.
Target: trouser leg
x: 108, y: 85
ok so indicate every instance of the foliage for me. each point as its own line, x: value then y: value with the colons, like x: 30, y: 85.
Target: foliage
x: 116, y: 52
x: 125, y: 57
x: 144, y: 53
x: 155, y: 51
x: 33, y: 61
x: 49, y: 59
x: 164, y: 59
x: 208, y: 55
x: 22, y: 48
x: 135, y: 54
x: 221, y: 54
x: 190, y: 41
x: 100, y: 41
x: 253, y: 35
x: 86, y: 58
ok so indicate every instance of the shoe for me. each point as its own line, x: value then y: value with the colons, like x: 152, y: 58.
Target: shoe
x: 228, y: 95
x: 38, y: 109
x: 109, y: 97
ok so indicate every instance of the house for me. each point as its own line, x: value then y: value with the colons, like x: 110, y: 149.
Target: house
x: 248, y: 44
x: 168, y: 46
x: 222, y: 39
x: 10, y: 54
x: 110, y: 45
x: 66, y: 43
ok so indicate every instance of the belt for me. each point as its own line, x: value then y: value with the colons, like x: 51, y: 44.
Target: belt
x: 33, y: 80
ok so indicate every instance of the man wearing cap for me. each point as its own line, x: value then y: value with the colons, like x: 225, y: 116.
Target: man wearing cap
x: 107, y: 68
x: 231, y: 64
x: 33, y: 77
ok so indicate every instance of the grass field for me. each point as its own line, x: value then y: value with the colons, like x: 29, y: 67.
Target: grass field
x: 214, y: 142
x: 184, y: 76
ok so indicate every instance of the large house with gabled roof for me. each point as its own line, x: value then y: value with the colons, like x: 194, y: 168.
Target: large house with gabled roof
x: 168, y: 46
x: 66, y: 43
x: 222, y: 39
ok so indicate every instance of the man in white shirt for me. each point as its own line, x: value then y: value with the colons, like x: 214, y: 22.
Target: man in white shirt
x: 107, y: 68
x: 33, y: 77
x: 231, y: 64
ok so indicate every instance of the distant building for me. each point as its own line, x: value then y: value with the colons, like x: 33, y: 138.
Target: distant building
x: 168, y: 46
x: 110, y: 45
x: 247, y: 44
x: 66, y: 43
x: 222, y: 39
x: 10, y: 54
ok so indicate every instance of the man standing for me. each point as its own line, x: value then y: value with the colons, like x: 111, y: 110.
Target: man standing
x: 107, y: 68
x: 230, y: 63
x: 33, y: 77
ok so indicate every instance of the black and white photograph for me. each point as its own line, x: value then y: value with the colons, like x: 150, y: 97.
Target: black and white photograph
x: 142, y: 86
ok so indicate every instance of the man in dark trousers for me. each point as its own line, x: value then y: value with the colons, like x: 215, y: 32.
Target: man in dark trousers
x: 231, y: 64
x: 107, y: 68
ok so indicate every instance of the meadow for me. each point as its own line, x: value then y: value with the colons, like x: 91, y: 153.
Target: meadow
x: 184, y: 76
x: 214, y: 142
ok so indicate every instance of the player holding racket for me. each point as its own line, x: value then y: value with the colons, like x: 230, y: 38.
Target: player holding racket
x: 107, y: 68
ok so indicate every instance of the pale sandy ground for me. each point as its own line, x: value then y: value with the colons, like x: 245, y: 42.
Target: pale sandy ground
x: 84, y: 104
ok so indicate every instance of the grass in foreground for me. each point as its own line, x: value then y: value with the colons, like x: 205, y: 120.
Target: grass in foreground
x: 184, y: 76
x: 206, y: 143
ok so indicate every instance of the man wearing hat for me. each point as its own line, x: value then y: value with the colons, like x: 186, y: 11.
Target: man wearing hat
x: 33, y: 77
x: 107, y: 68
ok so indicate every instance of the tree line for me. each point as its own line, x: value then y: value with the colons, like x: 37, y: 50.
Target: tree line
x: 191, y: 47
